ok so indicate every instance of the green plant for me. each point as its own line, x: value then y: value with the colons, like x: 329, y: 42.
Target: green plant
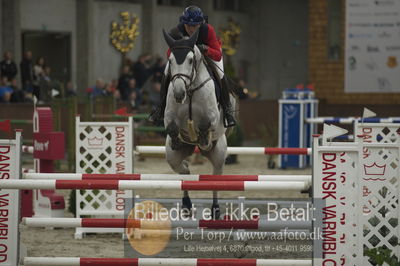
x: 382, y: 255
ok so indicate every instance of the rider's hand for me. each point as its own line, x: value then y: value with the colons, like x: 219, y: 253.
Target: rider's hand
x: 203, y: 47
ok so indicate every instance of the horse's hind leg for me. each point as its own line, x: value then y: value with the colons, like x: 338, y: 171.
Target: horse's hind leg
x: 217, y: 157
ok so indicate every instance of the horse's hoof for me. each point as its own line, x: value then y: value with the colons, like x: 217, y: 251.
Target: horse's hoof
x: 215, y: 211
x: 187, y: 204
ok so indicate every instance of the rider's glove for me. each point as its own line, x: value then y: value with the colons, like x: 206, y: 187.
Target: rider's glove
x: 203, y: 48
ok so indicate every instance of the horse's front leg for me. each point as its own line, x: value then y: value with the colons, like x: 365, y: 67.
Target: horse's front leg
x: 172, y: 131
x: 217, y: 157
x: 176, y: 160
x: 206, y: 128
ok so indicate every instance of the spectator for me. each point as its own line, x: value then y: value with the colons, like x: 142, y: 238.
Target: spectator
x: 154, y: 94
x: 134, y: 97
x: 27, y: 72
x: 111, y: 89
x: 123, y: 83
x: 158, y: 69
x: 8, y: 68
x: 5, y: 90
x: 141, y: 70
x: 39, y: 68
x: 45, y: 83
x: 98, y: 89
x: 134, y: 100
x: 70, y: 90
x: 18, y: 95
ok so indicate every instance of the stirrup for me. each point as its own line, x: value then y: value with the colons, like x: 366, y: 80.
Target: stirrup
x: 229, y: 120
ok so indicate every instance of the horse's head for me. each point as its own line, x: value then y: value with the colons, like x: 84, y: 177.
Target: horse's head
x: 183, y: 63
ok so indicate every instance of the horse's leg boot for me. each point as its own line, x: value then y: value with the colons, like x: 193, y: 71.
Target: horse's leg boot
x: 173, y: 131
x: 203, y: 139
x: 215, y: 211
x: 187, y: 205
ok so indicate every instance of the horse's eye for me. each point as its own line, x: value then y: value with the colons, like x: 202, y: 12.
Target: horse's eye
x: 190, y: 61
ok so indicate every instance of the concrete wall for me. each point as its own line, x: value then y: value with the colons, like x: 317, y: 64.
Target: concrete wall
x: 167, y: 18
x: 282, y: 45
x: 106, y: 60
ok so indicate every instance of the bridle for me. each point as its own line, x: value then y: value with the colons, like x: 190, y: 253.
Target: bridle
x: 188, y: 86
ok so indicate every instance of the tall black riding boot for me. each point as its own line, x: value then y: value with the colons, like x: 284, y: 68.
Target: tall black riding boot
x: 229, y: 119
x: 157, y: 115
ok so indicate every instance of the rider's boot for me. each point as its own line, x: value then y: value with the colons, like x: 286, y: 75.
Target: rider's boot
x: 157, y: 115
x: 229, y: 119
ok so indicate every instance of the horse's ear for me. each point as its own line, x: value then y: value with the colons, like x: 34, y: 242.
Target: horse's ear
x: 193, y: 38
x: 170, y: 41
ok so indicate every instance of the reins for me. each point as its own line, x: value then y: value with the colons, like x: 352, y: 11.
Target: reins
x: 189, y: 91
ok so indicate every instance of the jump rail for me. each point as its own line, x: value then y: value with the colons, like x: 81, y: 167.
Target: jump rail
x: 235, y: 150
x: 256, y: 224
x: 350, y: 120
x: 27, y: 149
x: 43, y: 261
x: 167, y: 185
x: 77, y: 176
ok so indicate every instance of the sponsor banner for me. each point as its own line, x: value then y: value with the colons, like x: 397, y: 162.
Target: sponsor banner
x: 372, y: 46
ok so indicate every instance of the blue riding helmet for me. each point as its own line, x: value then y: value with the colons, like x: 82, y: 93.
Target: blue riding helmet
x: 192, y: 16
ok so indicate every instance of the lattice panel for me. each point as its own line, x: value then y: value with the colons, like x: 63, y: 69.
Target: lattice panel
x: 101, y: 148
x: 378, y: 132
x: 380, y: 212
x: 95, y: 150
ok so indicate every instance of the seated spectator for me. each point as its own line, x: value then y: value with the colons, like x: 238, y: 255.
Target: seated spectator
x: 97, y: 90
x: 134, y: 97
x: 123, y: 83
x: 5, y: 91
x: 134, y: 100
x: 111, y: 89
x: 154, y: 93
x: 70, y: 90
x: 18, y: 95
x: 8, y: 68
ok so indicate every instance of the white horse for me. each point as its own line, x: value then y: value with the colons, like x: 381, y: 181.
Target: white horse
x: 192, y: 115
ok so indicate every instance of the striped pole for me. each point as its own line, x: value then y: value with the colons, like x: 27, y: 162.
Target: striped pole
x: 43, y: 261
x: 77, y: 176
x: 350, y: 120
x: 27, y: 149
x: 150, y: 184
x: 256, y: 224
x: 235, y: 150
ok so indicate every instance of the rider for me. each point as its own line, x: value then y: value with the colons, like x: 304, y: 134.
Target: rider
x: 207, y: 41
